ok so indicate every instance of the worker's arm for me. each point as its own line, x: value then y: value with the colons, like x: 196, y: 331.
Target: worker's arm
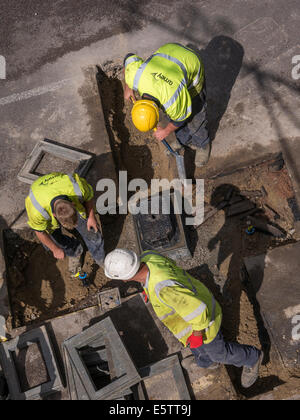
x: 91, y: 219
x: 45, y: 238
x: 161, y: 133
x: 129, y: 93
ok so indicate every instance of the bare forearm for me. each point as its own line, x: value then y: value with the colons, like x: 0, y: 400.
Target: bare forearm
x: 46, y: 240
x: 161, y: 133
x: 89, y: 207
x: 170, y: 128
x: 91, y: 219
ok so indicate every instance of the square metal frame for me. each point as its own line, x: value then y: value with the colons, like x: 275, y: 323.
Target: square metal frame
x: 109, y: 299
x: 38, y: 335
x: 118, y: 360
x: 178, y: 251
x: 68, y: 153
x: 170, y: 363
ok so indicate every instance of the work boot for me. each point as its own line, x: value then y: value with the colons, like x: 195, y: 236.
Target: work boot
x: 202, y: 154
x: 250, y: 375
x: 189, y: 363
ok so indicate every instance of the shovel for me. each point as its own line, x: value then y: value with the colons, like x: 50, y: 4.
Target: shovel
x: 179, y: 163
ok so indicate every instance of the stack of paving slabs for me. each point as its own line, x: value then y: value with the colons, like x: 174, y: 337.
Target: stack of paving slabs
x: 97, y: 364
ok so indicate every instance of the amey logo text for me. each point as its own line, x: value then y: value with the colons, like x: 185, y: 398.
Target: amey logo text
x: 161, y: 76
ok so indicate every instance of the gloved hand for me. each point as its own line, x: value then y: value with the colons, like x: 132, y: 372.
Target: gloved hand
x: 195, y: 341
x: 145, y: 297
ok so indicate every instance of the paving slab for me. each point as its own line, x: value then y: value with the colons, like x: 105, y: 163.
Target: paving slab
x: 21, y: 370
x: 274, y: 277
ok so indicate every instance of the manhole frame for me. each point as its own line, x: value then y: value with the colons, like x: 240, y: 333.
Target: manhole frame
x: 84, y: 159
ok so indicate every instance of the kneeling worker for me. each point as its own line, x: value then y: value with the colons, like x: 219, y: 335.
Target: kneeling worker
x: 173, y: 80
x: 57, y: 200
x: 188, y: 310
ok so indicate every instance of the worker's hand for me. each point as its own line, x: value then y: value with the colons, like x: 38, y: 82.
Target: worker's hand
x: 92, y: 223
x: 58, y: 253
x: 194, y: 341
x: 160, y: 133
x: 129, y: 94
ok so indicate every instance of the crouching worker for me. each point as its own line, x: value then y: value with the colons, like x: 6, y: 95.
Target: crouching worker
x: 58, y: 200
x: 188, y: 310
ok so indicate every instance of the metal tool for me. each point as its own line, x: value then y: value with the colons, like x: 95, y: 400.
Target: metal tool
x: 82, y: 275
x: 179, y: 163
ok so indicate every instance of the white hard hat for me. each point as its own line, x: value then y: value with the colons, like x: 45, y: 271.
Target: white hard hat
x: 121, y: 264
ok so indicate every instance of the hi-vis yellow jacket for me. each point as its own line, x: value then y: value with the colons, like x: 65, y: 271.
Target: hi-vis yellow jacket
x: 48, y: 187
x: 179, y: 300
x: 174, y: 74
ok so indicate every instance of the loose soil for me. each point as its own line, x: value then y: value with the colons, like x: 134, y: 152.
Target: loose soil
x: 40, y: 287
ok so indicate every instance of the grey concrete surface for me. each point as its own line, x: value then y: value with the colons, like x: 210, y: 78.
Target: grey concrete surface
x: 274, y: 277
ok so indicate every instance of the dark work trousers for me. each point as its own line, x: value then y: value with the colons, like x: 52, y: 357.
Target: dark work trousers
x: 72, y: 246
x: 220, y: 351
x: 195, y: 131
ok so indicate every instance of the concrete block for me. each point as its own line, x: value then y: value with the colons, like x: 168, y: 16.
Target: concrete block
x: 67, y: 153
x: 274, y: 277
x: 120, y: 373
x: 8, y: 350
x: 158, y: 374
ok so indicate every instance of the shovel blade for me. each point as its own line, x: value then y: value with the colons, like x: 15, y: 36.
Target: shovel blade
x: 181, y: 169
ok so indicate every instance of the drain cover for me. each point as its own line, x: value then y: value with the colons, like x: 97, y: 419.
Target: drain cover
x: 162, y: 232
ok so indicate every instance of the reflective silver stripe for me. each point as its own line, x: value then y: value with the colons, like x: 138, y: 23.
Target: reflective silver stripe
x: 184, y: 332
x: 161, y: 318
x: 76, y: 187
x: 130, y: 60
x: 213, y: 313
x: 196, y: 80
x: 197, y: 312
x: 167, y: 57
x: 151, y: 253
x: 174, y: 60
x: 188, y: 111
x: 38, y: 207
x: 165, y: 283
x: 139, y: 73
x: 175, y: 95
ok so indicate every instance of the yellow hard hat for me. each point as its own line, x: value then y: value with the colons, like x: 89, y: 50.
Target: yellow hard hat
x: 145, y: 114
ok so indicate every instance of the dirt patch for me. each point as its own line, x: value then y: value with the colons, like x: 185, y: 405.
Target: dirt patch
x: 41, y: 287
